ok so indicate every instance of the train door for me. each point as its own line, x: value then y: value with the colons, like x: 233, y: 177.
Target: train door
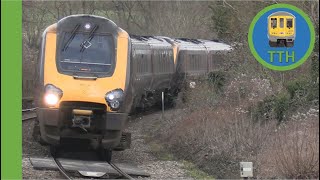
x: 282, y: 28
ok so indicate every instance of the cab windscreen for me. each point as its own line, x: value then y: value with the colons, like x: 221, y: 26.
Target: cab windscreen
x: 83, y: 54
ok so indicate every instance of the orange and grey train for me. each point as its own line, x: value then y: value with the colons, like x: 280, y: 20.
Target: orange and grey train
x: 93, y: 73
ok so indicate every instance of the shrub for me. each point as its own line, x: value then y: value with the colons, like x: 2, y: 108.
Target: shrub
x: 296, y: 149
x: 281, y: 106
x: 263, y: 111
x: 217, y: 79
x: 303, y: 91
x: 298, y: 88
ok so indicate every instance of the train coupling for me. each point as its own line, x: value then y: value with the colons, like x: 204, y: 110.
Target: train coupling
x: 81, y: 118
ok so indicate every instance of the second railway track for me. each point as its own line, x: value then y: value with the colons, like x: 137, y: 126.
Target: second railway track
x: 28, y: 115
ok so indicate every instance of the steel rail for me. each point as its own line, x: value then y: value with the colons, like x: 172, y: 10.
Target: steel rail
x: 29, y: 118
x: 31, y: 109
x: 120, y: 171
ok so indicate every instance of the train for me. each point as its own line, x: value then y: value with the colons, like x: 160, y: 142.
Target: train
x: 281, y: 29
x: 92, y: 74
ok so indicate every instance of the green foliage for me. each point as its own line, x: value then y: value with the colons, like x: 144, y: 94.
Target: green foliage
x: 217, y: 79
x: 159, y: 151
x: 300, y: 92
x: 281, y: 106
x: 272, y: 107
x: 314, y: 73
x: 316, y: 47
x: 297, y: 87
x: 303, y: 90
x: 195, y: 172
x: 263, y: 110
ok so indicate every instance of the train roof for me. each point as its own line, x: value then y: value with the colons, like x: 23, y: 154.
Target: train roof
x: 150, y: 40
x: 216, y: 46
x: 183, y: 43
x: 201, y: 44
x: 189, y: 44
x: 281, y: 13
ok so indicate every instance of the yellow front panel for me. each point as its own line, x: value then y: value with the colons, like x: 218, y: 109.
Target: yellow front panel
x: 281, y: 31
x: 85, y: 90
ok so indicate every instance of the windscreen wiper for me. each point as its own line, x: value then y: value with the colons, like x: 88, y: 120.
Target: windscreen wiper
x: 65, y: 47
x: 85, y: 44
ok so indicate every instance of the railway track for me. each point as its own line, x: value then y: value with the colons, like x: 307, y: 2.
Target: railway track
x: 120, y: 171
x: 28, y: 115
x: 63, y: 171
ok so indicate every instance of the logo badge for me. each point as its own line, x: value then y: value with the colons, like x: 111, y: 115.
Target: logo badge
x: 281, y: 37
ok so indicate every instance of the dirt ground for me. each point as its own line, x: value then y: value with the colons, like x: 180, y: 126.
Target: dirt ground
x: 140, y: 153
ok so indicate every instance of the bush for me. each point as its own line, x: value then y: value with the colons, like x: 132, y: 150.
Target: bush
x: 264, y: 110
x: 272, y: 107
x: 298, y: 88
x: 217, y: 80
x: 216, y: 140
x: 281, y: 106
x: 292, y: 151
x: 301, y: 92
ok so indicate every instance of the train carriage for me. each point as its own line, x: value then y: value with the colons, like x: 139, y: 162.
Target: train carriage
x: 192, y: 57
x: 153, y: 68
x: 197, y: 57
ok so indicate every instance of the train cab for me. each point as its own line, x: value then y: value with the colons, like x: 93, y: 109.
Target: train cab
x: 82, y: 82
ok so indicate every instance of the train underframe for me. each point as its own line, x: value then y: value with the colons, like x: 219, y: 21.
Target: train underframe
x: 99, y: 130
x: 281, y: 42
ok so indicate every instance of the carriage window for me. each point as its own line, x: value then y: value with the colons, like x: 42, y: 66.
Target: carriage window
x: 281, y: 22
x: 273, y: 22
x: 289, y: 23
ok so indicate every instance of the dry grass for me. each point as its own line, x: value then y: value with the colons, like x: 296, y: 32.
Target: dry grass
x: 293, y: 150
x: 216, y: 132
x: 218, y: 140
x: 297, y: 152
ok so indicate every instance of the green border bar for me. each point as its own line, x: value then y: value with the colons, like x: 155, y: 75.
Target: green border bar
x: 11, y: 90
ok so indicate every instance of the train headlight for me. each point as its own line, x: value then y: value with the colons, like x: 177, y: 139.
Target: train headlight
x: 110, y: 97
x: 51, y: 99
x: 115, y: 104
x: 114, y: 98
x: 52, y: 95
x: 87, y: 26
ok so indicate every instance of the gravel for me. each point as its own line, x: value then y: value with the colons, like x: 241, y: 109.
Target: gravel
x: 30, y: 148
